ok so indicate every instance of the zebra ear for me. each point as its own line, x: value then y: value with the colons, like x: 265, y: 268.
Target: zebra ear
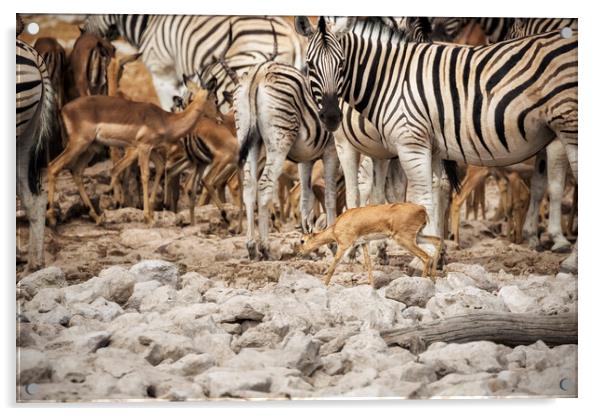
x: 303, y: 26
x: 343, y: 25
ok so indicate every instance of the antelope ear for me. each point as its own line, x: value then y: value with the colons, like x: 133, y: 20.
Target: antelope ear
x: 343, y: 25
x: 81, y: 30
x: 303, y: 26
x: 185, y: 79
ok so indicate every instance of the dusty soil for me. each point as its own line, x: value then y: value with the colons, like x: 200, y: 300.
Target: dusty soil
x: 82, y: 249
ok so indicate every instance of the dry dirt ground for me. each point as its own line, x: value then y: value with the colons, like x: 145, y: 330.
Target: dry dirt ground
x: 82, y: 249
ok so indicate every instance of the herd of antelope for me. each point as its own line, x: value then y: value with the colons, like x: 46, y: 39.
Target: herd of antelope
x: 246, y: 127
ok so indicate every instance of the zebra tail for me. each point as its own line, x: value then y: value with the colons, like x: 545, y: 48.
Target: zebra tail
x: 46, y: 129
x: 247, y: 93
x: 451, y: 170
x: 251, y: 140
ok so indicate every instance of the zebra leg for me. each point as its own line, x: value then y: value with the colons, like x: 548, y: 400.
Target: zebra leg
x: 275, y: 157
x: 35, y: 206
x: 307, y: 196
x: 365, y: 180
x: 380, y: 167
x: 565, y: 128
x: 538, y: 188
x: 416, y: 162
x: 331, y: 164
x: 350, y: 159
x: 441, y: 199
x: 396, y: 183
x: 557, y: 166
x: 250, y: 198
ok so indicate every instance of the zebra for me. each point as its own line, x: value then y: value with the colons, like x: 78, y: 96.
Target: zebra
x: 174, y: 46
x: 491, y: 106
x: 36, y: 115
x: 274, y: 107
x: 551, y: 162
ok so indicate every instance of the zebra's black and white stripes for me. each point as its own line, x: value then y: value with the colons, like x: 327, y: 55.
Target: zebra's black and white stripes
x: 274, y: 108
x: 491, y: 105
x: 36, y: 117
x: 173, y: 46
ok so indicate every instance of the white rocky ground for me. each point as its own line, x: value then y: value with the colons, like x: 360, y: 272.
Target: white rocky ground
x: 173, y: 311
x: 150, y: 331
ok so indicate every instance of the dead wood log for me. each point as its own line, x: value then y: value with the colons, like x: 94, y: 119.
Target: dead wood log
x: 510, y: 329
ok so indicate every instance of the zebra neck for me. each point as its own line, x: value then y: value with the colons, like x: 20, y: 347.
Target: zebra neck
x: 370, y: 66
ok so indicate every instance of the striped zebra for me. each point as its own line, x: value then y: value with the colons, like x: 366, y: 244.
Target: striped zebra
x: 274, y: 108
x: 36, y: 114
x: 174, y: 46
x: 551, y: 163
x: 491, y: 106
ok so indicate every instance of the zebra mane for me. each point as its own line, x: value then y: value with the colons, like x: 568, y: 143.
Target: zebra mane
x: 375, y: 27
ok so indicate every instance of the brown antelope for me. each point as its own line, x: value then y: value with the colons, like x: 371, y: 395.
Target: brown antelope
x: 516, y: 206
x: 402, y: 222
x: 56, y: 63
x: 212, y: 143
x: 88, y: 62
x: 114, y: 121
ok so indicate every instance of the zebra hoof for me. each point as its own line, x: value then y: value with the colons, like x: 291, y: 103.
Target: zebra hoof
x: 569, y: 265
x: 263, y: 252
x: 561, y: 247
x: 252, y: 249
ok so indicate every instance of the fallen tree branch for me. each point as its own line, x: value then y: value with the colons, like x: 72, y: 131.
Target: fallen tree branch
x: 510, y: 329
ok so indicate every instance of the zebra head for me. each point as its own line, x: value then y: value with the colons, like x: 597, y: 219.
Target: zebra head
x: 325, y: 65
x: 104, y: 25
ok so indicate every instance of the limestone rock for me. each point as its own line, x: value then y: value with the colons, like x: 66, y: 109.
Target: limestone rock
x: 411, y: 290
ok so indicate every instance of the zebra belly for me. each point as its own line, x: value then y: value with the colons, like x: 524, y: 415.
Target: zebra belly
x: 519, y: 149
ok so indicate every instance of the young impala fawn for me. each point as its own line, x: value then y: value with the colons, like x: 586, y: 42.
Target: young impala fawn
x: 401, y: 222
